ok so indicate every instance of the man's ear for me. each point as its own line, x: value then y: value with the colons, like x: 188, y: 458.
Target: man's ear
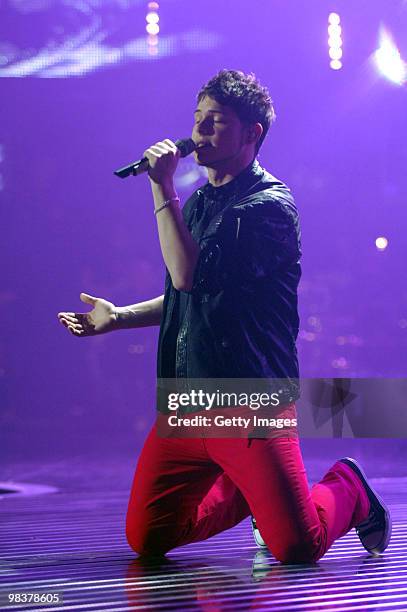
x: 254, y: 133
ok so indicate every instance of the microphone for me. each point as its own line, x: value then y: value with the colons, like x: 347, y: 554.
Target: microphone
x: 186, y: 146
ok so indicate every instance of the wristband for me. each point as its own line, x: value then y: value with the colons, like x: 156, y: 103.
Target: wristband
x: 166, y: 203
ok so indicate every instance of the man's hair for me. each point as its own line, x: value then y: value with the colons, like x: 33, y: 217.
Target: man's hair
x: 245, y: 95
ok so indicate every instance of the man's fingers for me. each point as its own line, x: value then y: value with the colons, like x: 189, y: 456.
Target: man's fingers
x: 75, y: 332
x: 69, y: 325
x: 72, y: 322
x: 166, y: 146
x: 158, y: 150
x: 161, y: 148
x: 171, y: 145
x: 68, y: 318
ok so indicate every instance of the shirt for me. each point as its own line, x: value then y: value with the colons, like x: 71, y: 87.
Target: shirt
x: 240, y: 319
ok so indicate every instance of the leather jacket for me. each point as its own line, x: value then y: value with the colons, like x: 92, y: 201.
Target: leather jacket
x: 241, y: 318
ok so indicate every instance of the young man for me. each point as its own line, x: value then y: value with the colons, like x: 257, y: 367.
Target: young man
x: 230, y: 311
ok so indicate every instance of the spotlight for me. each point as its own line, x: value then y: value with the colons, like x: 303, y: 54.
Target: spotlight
x: 334, y: 19
x: 335, y: 41
x: 334, y: 30
x: 335, y: 53
x: 152, y: 18
x: 389, y: 61
x: 381, y: 243
x: 152, y: 28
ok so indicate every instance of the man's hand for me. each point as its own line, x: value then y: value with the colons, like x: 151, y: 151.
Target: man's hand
x: 163, y: 160
x: 100, y: 320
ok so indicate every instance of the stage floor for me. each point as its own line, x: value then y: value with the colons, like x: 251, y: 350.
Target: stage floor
x: 71, y: 541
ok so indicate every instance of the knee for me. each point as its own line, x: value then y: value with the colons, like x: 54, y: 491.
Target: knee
x: 147, y: 542
x: 144, y: 542
x: 296, y: 553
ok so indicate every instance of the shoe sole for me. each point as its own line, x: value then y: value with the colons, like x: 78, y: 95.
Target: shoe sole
x: 354, y: 465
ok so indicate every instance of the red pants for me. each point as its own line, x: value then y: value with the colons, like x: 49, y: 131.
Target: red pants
x: 187, y: 490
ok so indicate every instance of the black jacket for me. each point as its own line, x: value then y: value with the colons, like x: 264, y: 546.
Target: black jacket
x: 240, y: 318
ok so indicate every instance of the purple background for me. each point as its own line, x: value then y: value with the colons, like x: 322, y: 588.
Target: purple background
x: 69, y: 225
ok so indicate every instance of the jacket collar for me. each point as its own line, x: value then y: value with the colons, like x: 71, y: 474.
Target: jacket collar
x: 236, y: 186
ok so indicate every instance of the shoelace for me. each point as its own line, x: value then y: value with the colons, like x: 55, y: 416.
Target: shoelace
x: 370, y: 525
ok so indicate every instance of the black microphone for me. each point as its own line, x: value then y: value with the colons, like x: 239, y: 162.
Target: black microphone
x: 186, y: 146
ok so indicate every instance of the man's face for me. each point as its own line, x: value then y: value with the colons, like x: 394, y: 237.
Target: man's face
x: 218, y: 132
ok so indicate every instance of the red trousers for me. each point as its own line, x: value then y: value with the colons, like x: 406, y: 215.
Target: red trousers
x: 187, y: 490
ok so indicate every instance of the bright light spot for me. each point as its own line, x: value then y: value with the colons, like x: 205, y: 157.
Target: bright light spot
x: 152, y: 40
x: 334, y: 18
x: 306, y: 335
x: 315, y: 322
x: 381, y: 243
x: 153, y: 6
x: 340, y: 363
x: 389, y: 61
x: 334, y: 30
x: 152, y: 18
x: 152, y: 28
x: 335, y: 53
x: 335, y: 41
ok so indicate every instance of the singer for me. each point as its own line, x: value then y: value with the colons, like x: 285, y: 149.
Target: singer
x: 229, y: 310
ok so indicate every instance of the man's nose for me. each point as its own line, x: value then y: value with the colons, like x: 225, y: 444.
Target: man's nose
x: 204, y: 127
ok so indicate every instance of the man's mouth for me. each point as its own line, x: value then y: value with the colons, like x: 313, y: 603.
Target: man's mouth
x: 202, y: 145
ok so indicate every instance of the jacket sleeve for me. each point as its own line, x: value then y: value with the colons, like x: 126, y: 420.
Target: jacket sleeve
x: 252, y: 242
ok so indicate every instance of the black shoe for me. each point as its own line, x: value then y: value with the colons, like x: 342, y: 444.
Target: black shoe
x: 375, y: 531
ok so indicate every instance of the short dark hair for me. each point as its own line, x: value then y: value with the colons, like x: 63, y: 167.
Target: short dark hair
x: 245, y: 95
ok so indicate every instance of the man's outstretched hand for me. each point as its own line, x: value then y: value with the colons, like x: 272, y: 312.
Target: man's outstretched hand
x: 100, y: 320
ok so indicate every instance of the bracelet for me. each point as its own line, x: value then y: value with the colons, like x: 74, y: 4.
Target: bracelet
x: 166, y: 203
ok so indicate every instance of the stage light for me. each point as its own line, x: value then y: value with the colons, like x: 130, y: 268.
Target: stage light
x: 334, y: 30
x: 389, y: 61
x: 335, y: 64
x: 334, y: 19
x: 152, y: 40
x: 152, y: 18
x: 335, y: 53
x: 335, y: 41
x: 340, y: 363
x: 152, y: 28
x: 381, y: 243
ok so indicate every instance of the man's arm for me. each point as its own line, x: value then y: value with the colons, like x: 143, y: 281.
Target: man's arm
x: 179, y: 249
x: 106, y: 316
x: 142, y: 314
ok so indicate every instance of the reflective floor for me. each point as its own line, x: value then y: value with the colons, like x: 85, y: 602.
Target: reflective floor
x: 71, y: 542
